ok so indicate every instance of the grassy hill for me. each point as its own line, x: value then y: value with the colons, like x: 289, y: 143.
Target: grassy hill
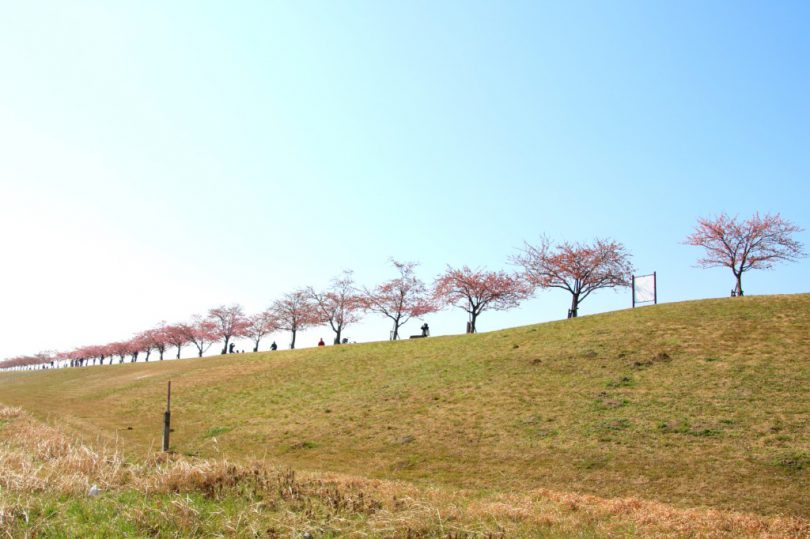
x: 696, y: 404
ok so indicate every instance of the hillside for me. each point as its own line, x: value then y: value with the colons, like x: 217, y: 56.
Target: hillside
x: 696, y: 404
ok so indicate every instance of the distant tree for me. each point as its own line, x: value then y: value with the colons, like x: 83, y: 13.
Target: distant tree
x: 78, y: 356
x: 478, y: 290
x: 120, y: 349
x: 229, y: 321
x: 201, y: 332
x: 155, y: 339
x: 578, y: 268
x: 133, y: 349
x: 259, y: 325
x: 294, y: 312
x: 176, y: 335
x: 99, y: 352
x: 338, y: 306
x: 756, y: 243
x: 401, y: 298
x: 145, y: 343
x: 38, y: 360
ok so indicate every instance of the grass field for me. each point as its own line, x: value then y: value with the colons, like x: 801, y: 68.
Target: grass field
x: 696, y: 406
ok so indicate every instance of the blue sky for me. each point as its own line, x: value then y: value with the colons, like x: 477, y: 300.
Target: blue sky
x: 158, y: 159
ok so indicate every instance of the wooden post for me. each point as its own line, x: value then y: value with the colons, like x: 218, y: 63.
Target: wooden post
x: 167, y: 418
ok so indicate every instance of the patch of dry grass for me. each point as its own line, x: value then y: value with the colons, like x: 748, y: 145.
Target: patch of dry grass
x: 175, y: 495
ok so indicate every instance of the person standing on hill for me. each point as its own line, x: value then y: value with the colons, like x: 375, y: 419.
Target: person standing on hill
x: 321, y: 343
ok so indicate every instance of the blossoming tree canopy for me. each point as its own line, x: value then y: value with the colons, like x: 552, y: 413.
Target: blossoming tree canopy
x: 756, y: 243
x: 579, y: 268
x: 478, y: 290
x: 295, y: 312
x: 401, y: 298
x: 339, y: 305
x: 228, y: 321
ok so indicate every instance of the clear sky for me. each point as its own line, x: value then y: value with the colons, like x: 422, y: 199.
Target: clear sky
x: 161, y: 158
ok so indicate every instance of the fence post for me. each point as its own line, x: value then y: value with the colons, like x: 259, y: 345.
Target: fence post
x: 167, y: 418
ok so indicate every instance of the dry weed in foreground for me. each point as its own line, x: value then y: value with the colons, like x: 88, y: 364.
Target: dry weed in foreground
x: 36, y: 459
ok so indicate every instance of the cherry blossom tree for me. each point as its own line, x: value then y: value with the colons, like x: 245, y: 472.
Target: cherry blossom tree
x: 581, y: 269
x: 401, y: 298
x: 756, y: 243
x: 176, y: 335
x: 16, y: 362
x: 201, y: 332
x: 294, y: 312
x: 145, y: 343
x: 478, y: 290
x: 154, y: 339
x: 120, y: 349
x: 134, y: 349
x: 75, y: 357
x: 229, y: 321
x: 259, y: 325
x: 338, y: 306
x: 99, y: 352
x: 40, y: 360
x: 84, y: 354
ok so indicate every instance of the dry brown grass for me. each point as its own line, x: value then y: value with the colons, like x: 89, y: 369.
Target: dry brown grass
x: 175, y: 496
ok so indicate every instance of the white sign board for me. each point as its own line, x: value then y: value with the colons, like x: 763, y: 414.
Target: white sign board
x: 644, y: 288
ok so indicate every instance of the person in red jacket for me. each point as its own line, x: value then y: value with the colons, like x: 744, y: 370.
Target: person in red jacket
x: 321, y: 343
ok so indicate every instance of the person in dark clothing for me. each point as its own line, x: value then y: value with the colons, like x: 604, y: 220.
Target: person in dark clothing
x: 273, y: 347
x: 425, y: 330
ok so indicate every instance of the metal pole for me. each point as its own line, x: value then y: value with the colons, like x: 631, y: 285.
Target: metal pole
x: 655, y: 288
x: 633, y: 290
x: 167, y: 418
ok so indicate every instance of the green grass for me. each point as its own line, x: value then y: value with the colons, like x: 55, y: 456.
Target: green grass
x: 696, y: 404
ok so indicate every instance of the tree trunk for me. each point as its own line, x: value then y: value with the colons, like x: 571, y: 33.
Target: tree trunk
x: 292, y: 343
x: 225, y: 348
x: 738, y: 288
x: 256, y: 348
x: 395, y: 336
x: 337, y: 337
x: 574, y: 305
x: 161, y: 355
x: 200, y: 352
x: 473, y: 318
x: 178, y: 352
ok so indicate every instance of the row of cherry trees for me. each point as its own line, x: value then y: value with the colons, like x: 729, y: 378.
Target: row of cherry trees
x: 578, y: 268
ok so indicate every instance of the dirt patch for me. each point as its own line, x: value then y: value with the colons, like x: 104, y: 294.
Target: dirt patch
x: 660, y: 357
